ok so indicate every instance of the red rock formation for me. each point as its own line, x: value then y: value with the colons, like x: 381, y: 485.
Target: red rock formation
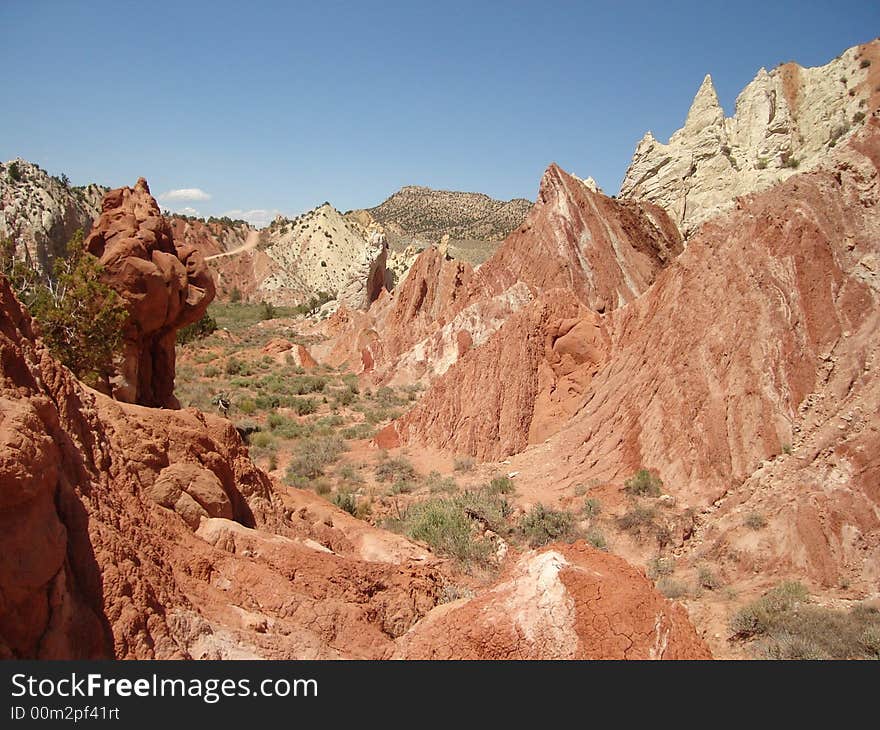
x: 564, y: 602
x: 605, y: 251
x: 518, y: 388
x: 145, y: 533
x: 165, y: 287
x: 140, y: 533
x: 761, y: 338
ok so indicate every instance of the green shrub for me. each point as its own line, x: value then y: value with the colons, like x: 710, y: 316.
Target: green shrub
x: 446, y: 527
x: 80, y: 318
x: 595, y: 537
x: 359, y: 431
x: 14, y: 172
x: 268, y: 311
x: 211, y: 371
x: 346, y: 501
x: 787, y: 626
x: 542, y: 525
x: 205, y: 326
x: 502, y: 484
x: 858, y: 117
x: 403, y: 486
x: 706, y: 578
x: 233, y: 366
x: 436, y: 482
x: 396, y: 469
x: 637, y: 518
x: 760, y: 616
x: 303, y: 406
x: 235, y: 295
x: 312, y: 456
x: 592, y: 507
x: 463, y: 463
x: 262, y: 440
x: 247, y: 406
x: 644, y: 484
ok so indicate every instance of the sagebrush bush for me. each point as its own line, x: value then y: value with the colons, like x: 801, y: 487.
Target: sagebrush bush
x: 644, y: 484
x: 541, y: 525
x: 396, y: 469
x: 502, y: 484
x: 312, y: 455
x: 445, y: 525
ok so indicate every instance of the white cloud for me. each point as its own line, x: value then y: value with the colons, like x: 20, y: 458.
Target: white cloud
x: 189, y: 211
x: 185, y: 194
x: 259, y: 217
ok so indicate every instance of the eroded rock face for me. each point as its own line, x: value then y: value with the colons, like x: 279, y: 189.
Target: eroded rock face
x: 605, y: 251
x: 563, y: 602
x: 368, y: 277
x: 601, y: 251
x: 136, y: 533
x: 786, y: 121
x: 518, y: 388
x: 165, y: 286
x: 40, y: 213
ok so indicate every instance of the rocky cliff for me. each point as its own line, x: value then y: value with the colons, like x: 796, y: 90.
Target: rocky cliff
x: 40, y: 213
x: 786, y: 120
x: 165, y: 286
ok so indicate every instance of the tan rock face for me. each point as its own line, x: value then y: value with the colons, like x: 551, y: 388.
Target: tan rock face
x: 564, y: 602
x: 165, y: 286
x: 786, y: 121
x: 369, y: 277
x: 40, y: 214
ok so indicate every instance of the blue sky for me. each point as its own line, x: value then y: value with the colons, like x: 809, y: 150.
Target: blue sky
x: 280, y: 106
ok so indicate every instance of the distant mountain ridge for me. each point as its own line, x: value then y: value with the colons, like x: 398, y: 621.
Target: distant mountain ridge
x: 419, y: 216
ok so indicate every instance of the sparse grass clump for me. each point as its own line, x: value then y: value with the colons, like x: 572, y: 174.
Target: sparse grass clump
x: 463, y: 463
x: 311, y: 457
x: 396, y: 469
x: 660, y: 567
x: 359, y: 431
x: 595, y: 537
x: 502, y: 484
x: 643, y: 484
x: 436, y: 482
x: 637, y: 518
x: 755, y: 521
x: 707, y: 579
x: 542, y: 525
x: 787, y: 626
x: 671, y: 588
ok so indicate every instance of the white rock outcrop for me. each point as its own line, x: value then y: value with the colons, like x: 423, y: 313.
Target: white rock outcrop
x: 40, y: 213
x: 786, y: 121
x: 369, y: 276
